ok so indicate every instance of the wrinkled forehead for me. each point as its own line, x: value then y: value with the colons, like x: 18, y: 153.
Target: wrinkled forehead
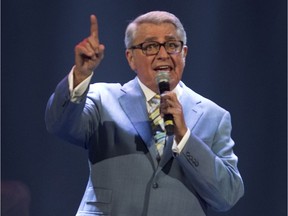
x: 151, y: 31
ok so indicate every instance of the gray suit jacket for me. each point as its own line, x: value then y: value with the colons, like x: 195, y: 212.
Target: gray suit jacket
x: 111, y: 121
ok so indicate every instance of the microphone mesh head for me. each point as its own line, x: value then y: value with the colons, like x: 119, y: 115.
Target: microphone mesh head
x: 162, y: 76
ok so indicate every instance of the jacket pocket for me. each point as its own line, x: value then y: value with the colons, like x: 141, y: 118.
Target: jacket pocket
x: 97, y: 201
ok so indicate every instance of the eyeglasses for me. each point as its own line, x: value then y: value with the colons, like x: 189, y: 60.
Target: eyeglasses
x: 153, y: 47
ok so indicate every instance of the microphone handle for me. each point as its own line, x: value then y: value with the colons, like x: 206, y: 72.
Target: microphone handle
x: 168, y: 118
x: 169, y: 124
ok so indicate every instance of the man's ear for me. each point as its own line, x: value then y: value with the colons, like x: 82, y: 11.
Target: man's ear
x: 130, y: 59
x: 185, y: 51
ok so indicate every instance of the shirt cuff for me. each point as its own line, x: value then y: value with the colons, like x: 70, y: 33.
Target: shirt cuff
x: 78, y: 91
x: 177, y: 148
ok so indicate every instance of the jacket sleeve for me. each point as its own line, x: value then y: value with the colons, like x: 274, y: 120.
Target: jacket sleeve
x: 71, y: 121
x: 210, y: 163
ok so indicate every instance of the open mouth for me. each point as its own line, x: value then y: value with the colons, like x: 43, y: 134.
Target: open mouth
x: 163, y: 68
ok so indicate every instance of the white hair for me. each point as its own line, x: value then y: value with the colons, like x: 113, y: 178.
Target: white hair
x: 154, y: 17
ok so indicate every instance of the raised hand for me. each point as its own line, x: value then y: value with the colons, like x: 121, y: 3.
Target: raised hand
x: 88, y: 53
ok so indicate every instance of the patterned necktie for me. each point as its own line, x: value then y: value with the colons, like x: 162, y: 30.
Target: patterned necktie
x: 157, y: 124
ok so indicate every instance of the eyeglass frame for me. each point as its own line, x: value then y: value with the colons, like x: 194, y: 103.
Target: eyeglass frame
x: 140, y: 46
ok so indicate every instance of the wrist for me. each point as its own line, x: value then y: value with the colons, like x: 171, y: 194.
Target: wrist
x: 79, y: 77
x: 179, y: 136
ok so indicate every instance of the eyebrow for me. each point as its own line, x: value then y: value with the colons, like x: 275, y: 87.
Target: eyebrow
x: 155, y: 38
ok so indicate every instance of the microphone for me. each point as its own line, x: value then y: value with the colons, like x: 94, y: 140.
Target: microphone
x: 162, y: 79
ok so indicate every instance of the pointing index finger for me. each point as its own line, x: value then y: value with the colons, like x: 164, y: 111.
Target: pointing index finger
x: 94, y: 27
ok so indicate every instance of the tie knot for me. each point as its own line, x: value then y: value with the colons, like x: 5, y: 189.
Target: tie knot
x: 155, y: 99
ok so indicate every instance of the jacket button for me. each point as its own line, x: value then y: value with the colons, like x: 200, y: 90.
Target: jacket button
x: 196, y: 163
x: 155, y: 185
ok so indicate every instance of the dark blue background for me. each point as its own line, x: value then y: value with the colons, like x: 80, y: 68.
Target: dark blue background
x: 237, y: 57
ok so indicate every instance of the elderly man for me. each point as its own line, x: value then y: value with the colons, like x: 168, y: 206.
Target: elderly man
x: 137, y: 168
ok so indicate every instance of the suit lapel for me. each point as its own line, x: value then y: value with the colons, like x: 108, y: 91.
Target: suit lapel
x: 191, y: 106
x: 134, y: 105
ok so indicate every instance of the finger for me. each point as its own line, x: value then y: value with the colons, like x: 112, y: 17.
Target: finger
x: 100, y: 53
x: 95, y: 50
x: 169, y: 95
x: 84, y: 48
x: 169, y: 101
x: 94, y: 28
x: 93, y: 43
x: 90, y: 47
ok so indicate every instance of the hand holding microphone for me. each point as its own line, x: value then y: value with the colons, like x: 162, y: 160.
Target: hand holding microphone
x: 162, y: 79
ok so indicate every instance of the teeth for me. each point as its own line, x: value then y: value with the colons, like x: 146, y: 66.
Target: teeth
x: 161, y: 68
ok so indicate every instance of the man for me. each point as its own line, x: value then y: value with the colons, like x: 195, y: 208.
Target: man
x: 195, y: 170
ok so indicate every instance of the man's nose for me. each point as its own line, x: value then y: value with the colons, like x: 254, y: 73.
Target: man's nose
x: 162, y: 53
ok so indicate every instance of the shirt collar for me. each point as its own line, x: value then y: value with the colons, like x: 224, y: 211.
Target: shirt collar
x: 149, y: 94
